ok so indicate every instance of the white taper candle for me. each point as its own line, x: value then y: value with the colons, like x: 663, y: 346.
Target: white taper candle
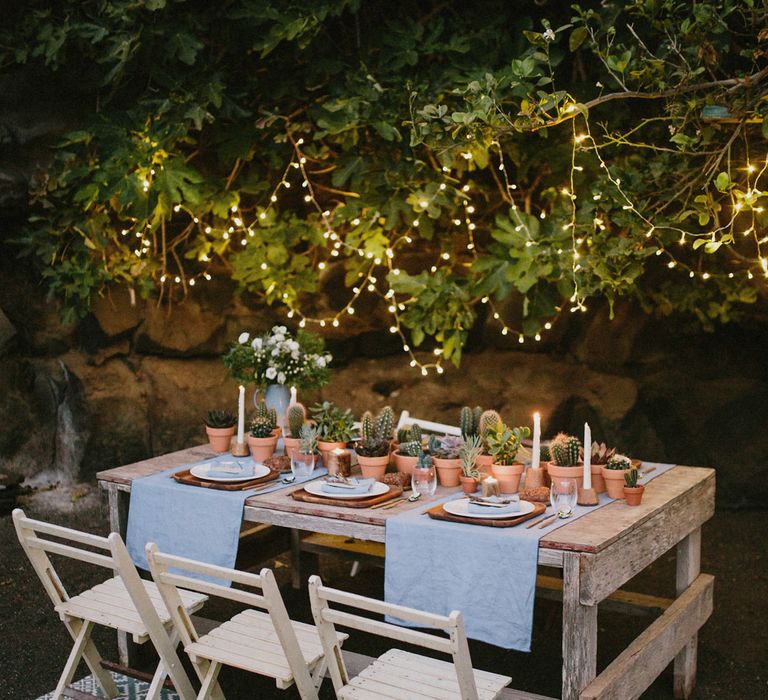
x: 587, y: 457
x: 241, y: 416
x: 536, y: 450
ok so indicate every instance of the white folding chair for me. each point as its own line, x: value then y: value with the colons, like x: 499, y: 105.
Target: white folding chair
x: 441, y: 428
x: 123, y: 602
x: 396, y: 673
x: 269, y: 644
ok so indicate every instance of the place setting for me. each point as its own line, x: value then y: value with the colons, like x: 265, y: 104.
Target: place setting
x: 231, y: 474
x: 346, y: 491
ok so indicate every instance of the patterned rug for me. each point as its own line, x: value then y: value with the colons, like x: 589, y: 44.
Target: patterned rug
x: 127, y: 688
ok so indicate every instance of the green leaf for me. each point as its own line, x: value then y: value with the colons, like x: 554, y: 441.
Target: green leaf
x: 577, y: 38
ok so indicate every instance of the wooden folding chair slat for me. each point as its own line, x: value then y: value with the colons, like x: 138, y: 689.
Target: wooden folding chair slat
x: 397, y: 674
x: 270, y: 643
x: 122, y: 602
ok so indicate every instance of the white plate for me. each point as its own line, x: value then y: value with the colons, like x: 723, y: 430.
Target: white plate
x: 316, y: 489
x: 201, y: 472
x: 461, y: 507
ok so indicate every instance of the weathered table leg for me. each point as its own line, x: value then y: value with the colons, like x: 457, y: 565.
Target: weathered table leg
x: 688, y: 568
x: 118, y: 522
x: 301, y: 561
x: 579, y: 632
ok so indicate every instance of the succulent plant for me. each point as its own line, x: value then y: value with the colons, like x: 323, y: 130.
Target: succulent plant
x: 601, y: 453
x: 504, y: 442
x: 308, y: 439
x: 263, y: 411
x: 220, y: 419
x: 372, y: 448
x: 425, y: 460
x: 445, y: 447
x: 333, y: 423
x: 409, y: 433
x: 471, y: 449
x: 262, y: 426
x: 619, y: 462
x: 630, y: 477
x: 469, y: 421
x: 544, y: 453
x: 410, y: 449
x: 296, y: 416
x: 565, y: 450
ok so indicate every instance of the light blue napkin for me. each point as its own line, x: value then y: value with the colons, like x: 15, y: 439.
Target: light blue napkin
x: 361, y: 486
x: 246, y: 468
x: 479, y: 509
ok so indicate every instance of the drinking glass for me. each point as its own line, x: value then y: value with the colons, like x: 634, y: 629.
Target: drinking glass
x: 424, y: 481
x: 302, y: 465
x: 563, y: 494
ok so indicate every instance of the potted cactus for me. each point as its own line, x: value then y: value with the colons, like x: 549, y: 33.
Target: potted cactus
x: 600, y: 455
x: 565, y: 452
x: 613, y: 473
x: 220, y: 428
x: 263, y: 432
x: 334, y: 426
x: 633, y: 491
x: 503, y: 443
x: 489, y: 422
x: 373, y: 447
x: 295, y: 418
x: 408, y: 448
x: 445, y: 456
x: 470, y: 450
x: 303, y: 457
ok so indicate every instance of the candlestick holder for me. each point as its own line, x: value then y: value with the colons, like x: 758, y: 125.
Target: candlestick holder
x: 534, y: 478
x: 240, y: 449
x: 587, y: 497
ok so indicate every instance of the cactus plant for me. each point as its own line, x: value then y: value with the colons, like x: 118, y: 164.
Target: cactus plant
x: 619, y: 462
x: 504, y: 442
x: 367, y: 427
x: 308, y: 439
x: 296, y: 416
x: 565, y: 450
x: 409, y: 433
x: 220, y: 419
x: 385, y: 423
x: 471, y: 449
x: 630, y: 477
x: 425, y: 460
x: 544, y: 453
x: 262, y: 426
x: 411, y: 449
x: 601, y: 453
x: 488, y: 419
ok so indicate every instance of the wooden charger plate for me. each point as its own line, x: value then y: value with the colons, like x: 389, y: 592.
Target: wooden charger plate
x: 185, y: 477
x: 439, y: 513
x: 302, y: 495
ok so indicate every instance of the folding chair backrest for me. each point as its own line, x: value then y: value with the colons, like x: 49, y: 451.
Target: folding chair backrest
x: 443, y: 428
x: 269, y: 600
x: 326, y: 618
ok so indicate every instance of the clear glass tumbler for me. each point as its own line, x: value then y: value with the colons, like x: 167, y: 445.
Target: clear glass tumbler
x: 424, y: 481
x: 563, y: 494
x: 302, y: 465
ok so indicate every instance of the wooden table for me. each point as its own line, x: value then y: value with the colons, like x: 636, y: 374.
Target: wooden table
x: 598, y: 553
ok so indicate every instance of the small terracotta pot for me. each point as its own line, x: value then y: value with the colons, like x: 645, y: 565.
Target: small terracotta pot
x: 634, y: 495
x: 220, y: 438
x: 373, y: 467
x: 405, y: 463
x: 535, y: 478
x: 261, y: 448
x: 614, y: 481
x: 448, y: 471
x: 291, y: 445
x: 575, y: 474
x: 598, y: 483
x: 468, y: 484
x: 508, y: 476
x: 483, y: 464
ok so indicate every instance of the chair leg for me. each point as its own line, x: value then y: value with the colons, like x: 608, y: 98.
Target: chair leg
x: 156, y: 686
x: 209, y: 682
x: 81, y: 640
x: 319, y: 672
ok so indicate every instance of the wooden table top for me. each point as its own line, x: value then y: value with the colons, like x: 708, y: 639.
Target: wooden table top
x: 593, y: 532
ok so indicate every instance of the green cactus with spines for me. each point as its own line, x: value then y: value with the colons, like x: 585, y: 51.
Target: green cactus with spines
x: 411, y: 449
x: 488, y: 419
x: 565, y: 450
x: 477, y: 411
x: 425, y: 460
x: 385, y: 422
x: 467, y: 422
x: 416, y: 434
x: 630, y: 477
x: 544, y: 454
x: 434, y: 444
x: 262, y: 427
x: 367, y: 427
x: 619, y: 462
x: 296, y: 416
x: 404, y: 433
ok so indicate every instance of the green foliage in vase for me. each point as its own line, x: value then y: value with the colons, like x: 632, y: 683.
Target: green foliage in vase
x: 334, y: 424
x: 220, y: 419
x: 565, y: 450
x: 504, y: 442
x: 296, y: 416
x: 408, y: 118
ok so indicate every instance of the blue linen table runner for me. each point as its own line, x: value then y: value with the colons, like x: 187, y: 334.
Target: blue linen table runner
x: 487, y: 573
x: 190, y: 521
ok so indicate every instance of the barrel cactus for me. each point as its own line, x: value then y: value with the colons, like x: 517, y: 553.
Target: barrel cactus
x: 262, y: 426
x: 411, y: 449
x: 296, y: 416
x: 565, y: 450
x: 263, y: 411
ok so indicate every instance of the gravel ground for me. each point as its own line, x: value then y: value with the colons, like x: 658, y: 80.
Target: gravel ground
x: 733, y: 648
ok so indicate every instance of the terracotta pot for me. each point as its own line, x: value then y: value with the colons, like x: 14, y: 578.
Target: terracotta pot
x: 291, y: 445
x: 448, y: 471
x: 614, y: 481
x: 483, y: 464
x: 405, y: 463
x: 468, y: 484
x: 575, y: 474
x: 508, y: 476
x: 324, y: 447
x: 261, y: 448
x: 535, y: 478
x: 634, y: 495
x: 220, y: 438
x: 373, y: 467
x: 598, y: 483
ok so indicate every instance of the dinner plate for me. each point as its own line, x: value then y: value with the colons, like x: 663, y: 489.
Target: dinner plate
x: 316, y: 489
x: 461, y: 507
x: 201, y: 472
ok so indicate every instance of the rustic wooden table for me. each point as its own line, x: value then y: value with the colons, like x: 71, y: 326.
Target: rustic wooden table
x: 597, y: 553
